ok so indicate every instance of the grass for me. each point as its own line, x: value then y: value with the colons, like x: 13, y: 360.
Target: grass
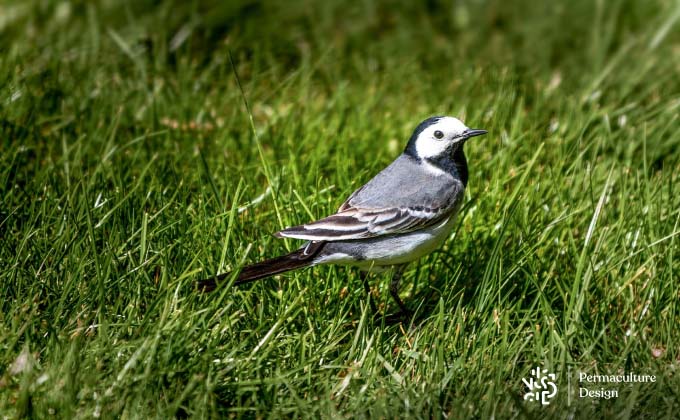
x: 130, y: 168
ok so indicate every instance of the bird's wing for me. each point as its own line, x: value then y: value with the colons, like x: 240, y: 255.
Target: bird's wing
x: 346, y: 205
x: 357, y: 223
x: 401, y: 198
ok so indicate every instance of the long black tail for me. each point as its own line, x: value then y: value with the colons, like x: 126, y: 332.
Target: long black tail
x: 301, y: 258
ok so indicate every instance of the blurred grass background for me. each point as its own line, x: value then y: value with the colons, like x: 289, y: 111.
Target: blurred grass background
x: 129, y: 169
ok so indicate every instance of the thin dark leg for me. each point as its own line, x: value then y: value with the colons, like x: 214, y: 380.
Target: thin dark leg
x: 367, y: 288
x: 394, y: 288
x: 364, y: 278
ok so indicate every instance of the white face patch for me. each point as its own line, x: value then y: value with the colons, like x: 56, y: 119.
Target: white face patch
x: 448, y: 128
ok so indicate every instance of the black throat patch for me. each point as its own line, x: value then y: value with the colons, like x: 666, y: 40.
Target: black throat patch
x: 452, y: 162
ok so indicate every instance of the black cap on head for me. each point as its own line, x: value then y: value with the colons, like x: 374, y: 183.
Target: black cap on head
x: 411, y: 145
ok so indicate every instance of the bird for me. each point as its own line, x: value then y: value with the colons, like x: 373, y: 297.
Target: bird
x: 403, y: 213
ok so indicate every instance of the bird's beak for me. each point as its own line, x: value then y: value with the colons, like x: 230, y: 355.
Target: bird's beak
x: 473, y: 132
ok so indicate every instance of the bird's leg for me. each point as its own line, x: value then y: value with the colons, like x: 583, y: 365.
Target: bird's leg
x: 367, y: 288
x: 364, y: 278
x: 394, y: 288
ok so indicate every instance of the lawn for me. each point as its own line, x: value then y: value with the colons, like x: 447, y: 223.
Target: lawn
x: 146, y: 145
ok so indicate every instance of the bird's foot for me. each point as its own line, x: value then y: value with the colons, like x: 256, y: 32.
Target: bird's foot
x: 402, y: 316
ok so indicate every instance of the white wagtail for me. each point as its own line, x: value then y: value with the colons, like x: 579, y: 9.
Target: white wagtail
x: 405, y: 212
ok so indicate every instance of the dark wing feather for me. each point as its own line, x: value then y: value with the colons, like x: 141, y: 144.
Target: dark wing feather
x: 403, y: 197
x: 365, y: 223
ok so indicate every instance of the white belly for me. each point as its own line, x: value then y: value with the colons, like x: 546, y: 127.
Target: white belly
x: 382, y: 252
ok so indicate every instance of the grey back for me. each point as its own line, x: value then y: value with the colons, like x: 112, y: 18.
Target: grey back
x: 407, y: 183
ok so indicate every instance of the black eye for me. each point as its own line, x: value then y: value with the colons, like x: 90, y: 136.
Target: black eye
x: 438, y: 134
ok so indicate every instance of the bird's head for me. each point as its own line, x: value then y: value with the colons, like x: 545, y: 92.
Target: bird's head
x: 439, y: 137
